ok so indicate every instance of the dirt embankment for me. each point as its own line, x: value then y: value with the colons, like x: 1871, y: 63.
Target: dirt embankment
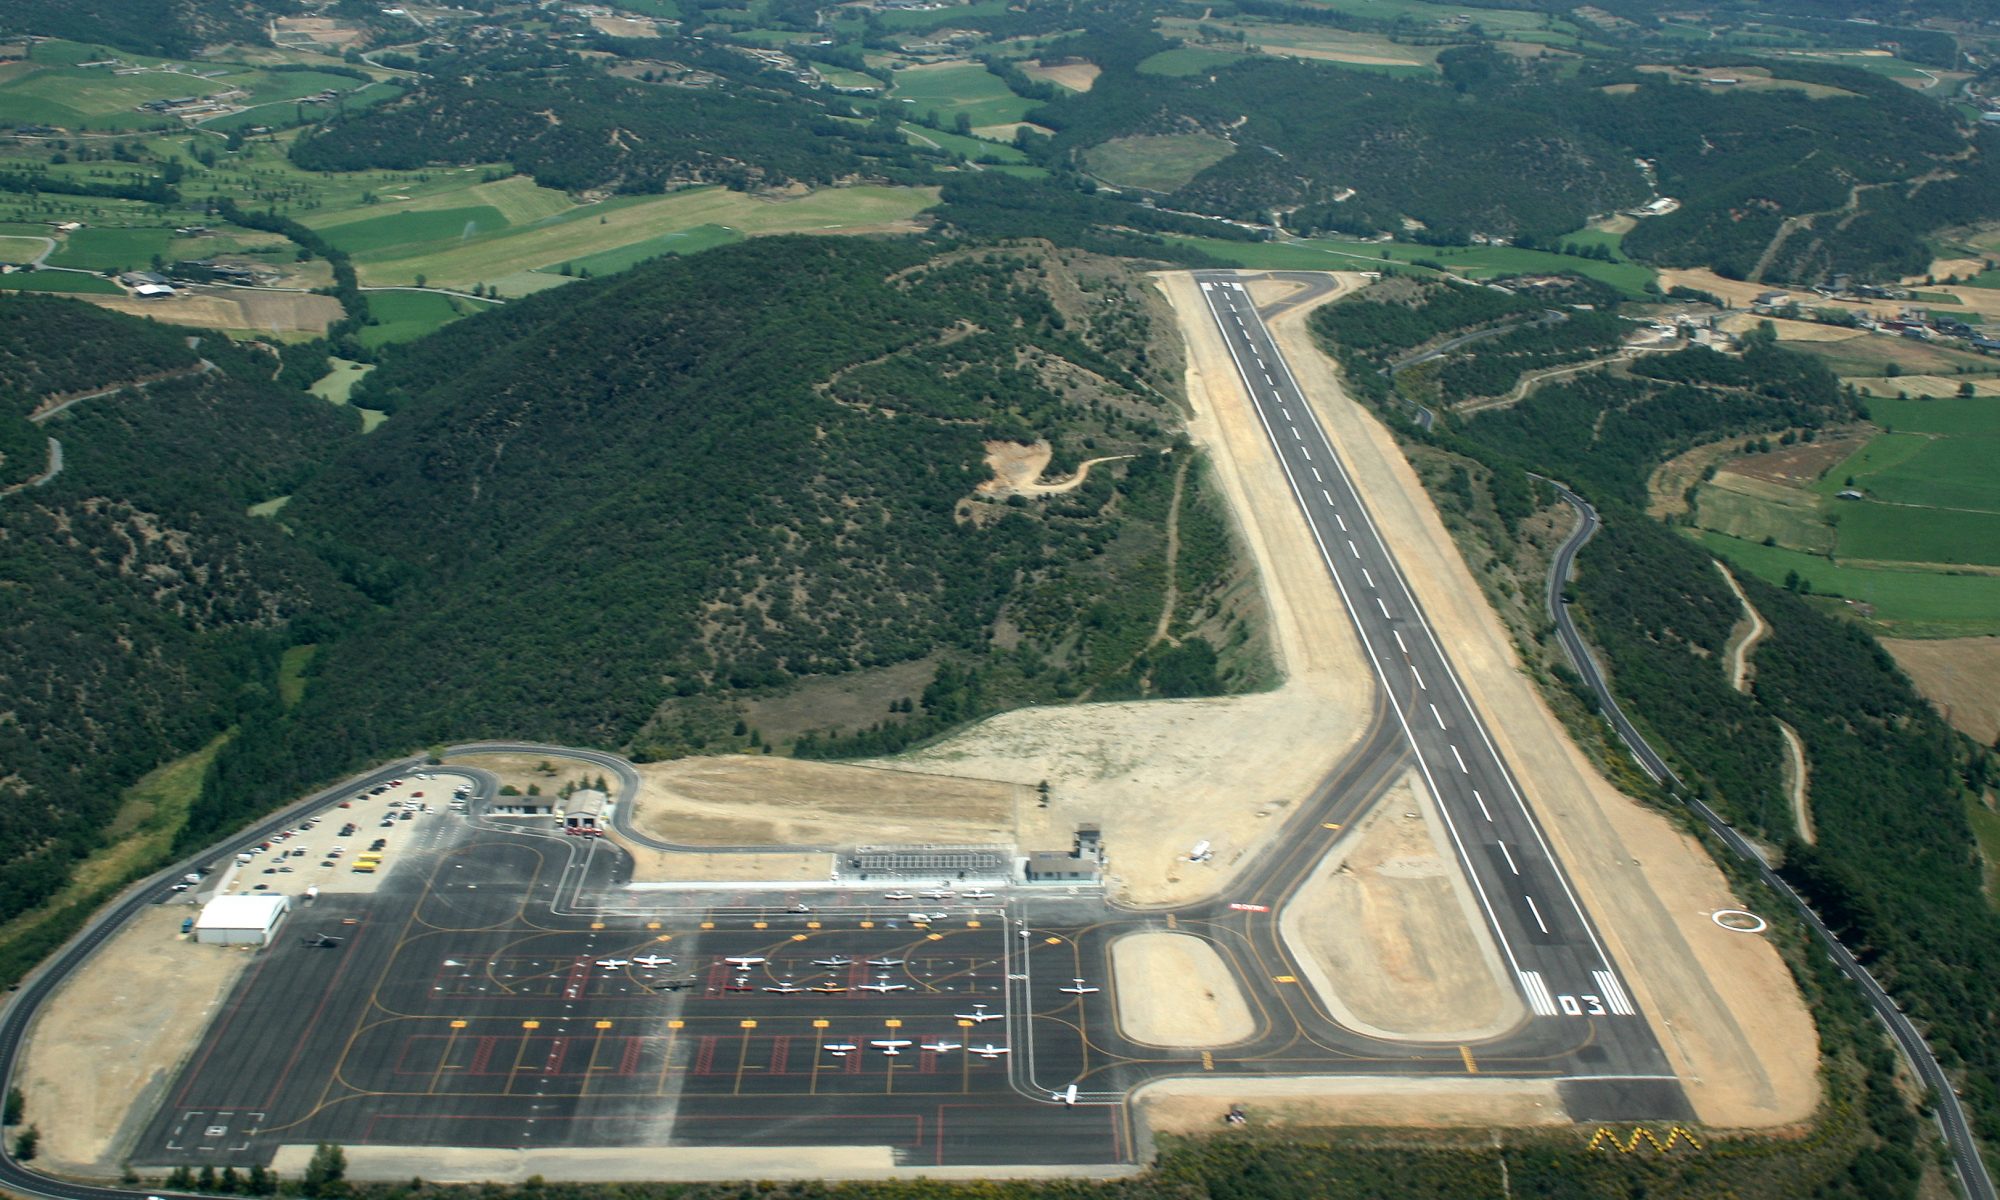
x: 1723, y: 1004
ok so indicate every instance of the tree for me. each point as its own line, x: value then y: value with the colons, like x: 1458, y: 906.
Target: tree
x: 16, y: 1102
x: 1965, y: 390
x: 326, y: 1171
x: 26, y: 1143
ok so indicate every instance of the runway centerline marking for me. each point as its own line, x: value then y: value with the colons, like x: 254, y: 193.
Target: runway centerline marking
x: 1510, y: 858
x: 1419, y: 678
x: 1482, y: 806
x: 1437, y: 716
x: 1461, y: 760
x: 1538, y: 913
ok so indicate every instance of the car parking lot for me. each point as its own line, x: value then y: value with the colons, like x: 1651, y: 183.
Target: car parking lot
x: 323, y: 849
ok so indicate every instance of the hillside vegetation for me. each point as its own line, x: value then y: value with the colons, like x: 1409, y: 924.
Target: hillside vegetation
x: 145, y: 608
x: 604, y: 517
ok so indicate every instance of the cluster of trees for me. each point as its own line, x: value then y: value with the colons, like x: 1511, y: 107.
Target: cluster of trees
x: 149, y: 189
x: 170, y: 28
x: 1893, y: 869
x: 571, y: 126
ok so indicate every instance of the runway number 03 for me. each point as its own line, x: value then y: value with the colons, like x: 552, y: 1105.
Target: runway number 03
x: 1590, y: 1004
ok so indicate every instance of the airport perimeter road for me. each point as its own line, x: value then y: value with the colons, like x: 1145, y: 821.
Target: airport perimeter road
x: 1557, y: 960
x: 1972, y: 1173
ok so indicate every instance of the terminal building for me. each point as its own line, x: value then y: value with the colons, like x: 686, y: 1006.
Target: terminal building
x: 241, y: 920
x: 1083, y: 863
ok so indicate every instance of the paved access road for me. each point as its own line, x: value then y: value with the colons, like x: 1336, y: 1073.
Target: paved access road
x: 1966, y: 1160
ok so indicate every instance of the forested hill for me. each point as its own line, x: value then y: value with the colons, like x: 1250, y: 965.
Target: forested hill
x: 600, y: 513
x: 169, y: 27
x: 142, y: 602
x: 1530, y: 150
x: 571, y: 127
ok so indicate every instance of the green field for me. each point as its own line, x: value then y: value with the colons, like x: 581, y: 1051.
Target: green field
x: 1875, y: 353
x: 682, y: 241
x: 973, y: 148
x: 1946, y: 473
x: 22, y: 249
x: 1754, y: 518
x: 1952, y: 416
x: 1904, y: 603
x: 1188, y: 60
x: 957, y: 88
x: 391, y: 235
x: 1895, y: 533
x: 58, y: 281
x: 948, y: 15
x: 651, y: 8
x: 1157, y: 163
x: 103, y: 249
x: 407, y: 316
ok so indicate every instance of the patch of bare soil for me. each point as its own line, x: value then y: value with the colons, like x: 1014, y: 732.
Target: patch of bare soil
x: 1190, y: 1106
x: 1960, y: 676
x: 232, y: 309
x: 1173, y: 989
x: 1017, y: 470
x: 548, y: 774
x: 662, y: 866
x: 1789, y: 331
x: 1666, y: 491
x: 1389, y: 936
x: 1327, y: 54
x: 1077, y: 76
x: 1801, y: 464
x: 750, y: 800
x: 1160, y: 776
x: 110, y: 1040
x: 1722, y: 1004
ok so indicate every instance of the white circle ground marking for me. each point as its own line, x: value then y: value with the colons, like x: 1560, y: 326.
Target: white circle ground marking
x: 1735, y: 920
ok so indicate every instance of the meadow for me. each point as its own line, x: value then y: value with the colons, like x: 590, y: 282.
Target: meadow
x: 97, y: 248
x: 1157, y: 163
x: 407, y: 316
x: 954, y: 88
x: 681, y: 241
x: 1188, y: 60
x: 58, y: 281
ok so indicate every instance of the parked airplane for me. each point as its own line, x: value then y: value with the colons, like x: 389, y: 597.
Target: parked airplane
x: 941, y: 1047
x: 740, y: 984
x: 890, y: 1046
x: 898, y: 896
x: 784, y: 989
x: 1202, y: 852
x: 746, y: 960
x: 614, y: 963
x: 884, y: 986
x: 652, y: 962
x: 838, y: 960
x: 977, y: 894
x: 1067, y: 1095
x: 826, y: 988
x: 989, y: 1050
x: 885, y: 962
x: 1077, y: 987
x: 937, y: 894
x: 840, y: 1049
x: 979, y: 1014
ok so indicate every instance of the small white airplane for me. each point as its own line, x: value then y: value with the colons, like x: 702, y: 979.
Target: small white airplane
x: 1202, y: 852
x: 942, y: 1047
x: 746, y: 960
x: 885, y: 962
x: 1078, y: 987
x: 937, y: 894
x: 826, y: 988
x: 838, y: 960
x: 740, y: 984
x: 840, y: 1049
x: 784, y: 989
x: 989, y: 1050
x: 977, y: 894
x: 890, y: 1046
x: 898, y: 896
x: 884, y: 986
x: 979, y: 1015
x: 652, y: 962
x: 614, y: 963
x: 1067, y: 1095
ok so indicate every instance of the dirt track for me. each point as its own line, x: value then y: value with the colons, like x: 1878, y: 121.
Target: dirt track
x: 1723, y: 1005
